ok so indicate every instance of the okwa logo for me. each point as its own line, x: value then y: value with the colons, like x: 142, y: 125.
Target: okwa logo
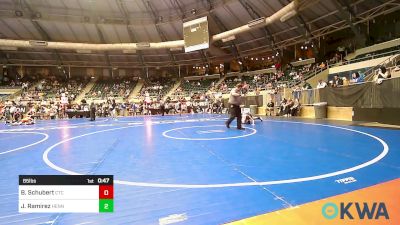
x: 355, y: 210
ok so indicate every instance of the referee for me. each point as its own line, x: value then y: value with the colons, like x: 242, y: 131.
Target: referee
x: 92, y: 111
x: 235, y: 102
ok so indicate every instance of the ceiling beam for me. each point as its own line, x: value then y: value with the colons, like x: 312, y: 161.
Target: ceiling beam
x: 361, y: 18
x: 4, y: 58
x: 76, y: 15
x: 178, y: 6
x: 222, y: 27
x: 318, y: 32
x: 308, y: 36
x: 45, y: 36
x: 101, y: 37
x: 255, y: 15
x: 161, y: 34
x: 131, y: 34
x: 309, y: 23
x: 346, y: 13
x: 364, y: 16
x: 103, y: 40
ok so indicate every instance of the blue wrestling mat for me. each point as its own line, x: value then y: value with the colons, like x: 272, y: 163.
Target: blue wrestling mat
x: 194, y: 167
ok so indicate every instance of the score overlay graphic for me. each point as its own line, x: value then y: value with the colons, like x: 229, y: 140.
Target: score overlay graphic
x: 66, y: 194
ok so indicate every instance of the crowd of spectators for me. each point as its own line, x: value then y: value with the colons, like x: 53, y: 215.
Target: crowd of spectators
x: 156, y: 88
x: 52, y: 89
x: 13, y: 112
x: 193, y: 87
x: 111, y: 88
x: 45, y: 100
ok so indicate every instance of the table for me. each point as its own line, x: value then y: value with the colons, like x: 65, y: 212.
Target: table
x: 78, y: 114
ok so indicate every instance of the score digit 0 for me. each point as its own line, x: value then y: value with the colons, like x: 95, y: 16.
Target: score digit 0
x: 106, y: 192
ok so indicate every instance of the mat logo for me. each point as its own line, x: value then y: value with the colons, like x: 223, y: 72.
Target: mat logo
x: 346, y: 180
x: 355, y: 210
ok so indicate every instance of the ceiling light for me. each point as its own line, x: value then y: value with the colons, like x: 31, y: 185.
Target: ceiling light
x: 38, y: 15
x: 256, y: 22
x: 8, y: 48
x: 230, y: 38
x: 83, y: 51
x: 19, y: 13
x: 86, y: 19
x: 129, y: 51
x: 176, y: 49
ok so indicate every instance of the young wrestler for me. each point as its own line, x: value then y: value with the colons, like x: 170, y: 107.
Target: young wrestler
x: 247, y: 118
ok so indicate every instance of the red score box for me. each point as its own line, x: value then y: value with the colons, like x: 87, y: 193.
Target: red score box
x: 106, y: 192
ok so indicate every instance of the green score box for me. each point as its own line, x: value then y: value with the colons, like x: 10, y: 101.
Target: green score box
x: 106, y: 205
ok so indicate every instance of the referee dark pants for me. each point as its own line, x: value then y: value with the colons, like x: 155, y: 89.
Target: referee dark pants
x: 235, y: 112
x: 92, y: 114
x: 162, y: 108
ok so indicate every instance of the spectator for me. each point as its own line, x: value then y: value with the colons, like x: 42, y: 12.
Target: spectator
x: 356, y: 78
x: 383, y: 73
x: 346, y: 81
x: 306, y: 85
x: 285, y: 111
x: 322, y: 65
x: 321, y: 84
x: 397, y: 68
x: 307, y: 88
x: 295, y: 108
x: 270, y: 108
x: 337, y: 81
x: 296, y: 92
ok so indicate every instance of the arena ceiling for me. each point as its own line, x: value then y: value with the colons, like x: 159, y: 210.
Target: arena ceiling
x: 128, y: 21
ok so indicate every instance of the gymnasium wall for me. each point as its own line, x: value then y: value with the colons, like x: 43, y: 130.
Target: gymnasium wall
x: 366, y: 95
x: 247, y: 101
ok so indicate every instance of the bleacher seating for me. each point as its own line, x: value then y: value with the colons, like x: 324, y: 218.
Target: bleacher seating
x: 376, y: 54
x: 71, y: 88
x: 260, y: 82
x: 196, y: 86
x: 104, y: 89
x: 157, y: 88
